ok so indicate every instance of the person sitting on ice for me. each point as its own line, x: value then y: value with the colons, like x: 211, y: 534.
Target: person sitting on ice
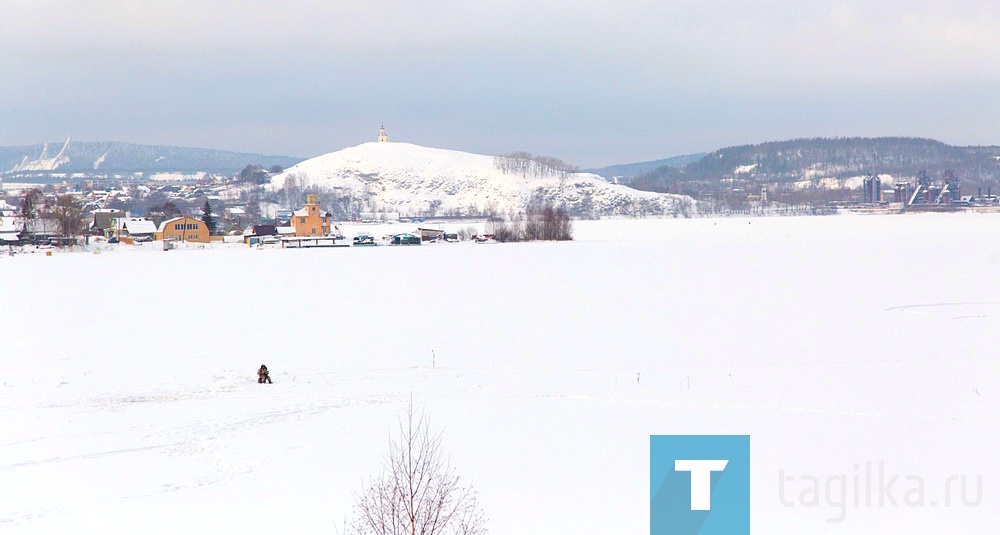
x: 262, y: 375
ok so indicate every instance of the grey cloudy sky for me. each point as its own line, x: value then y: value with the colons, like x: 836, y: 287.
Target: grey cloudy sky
x: 592, y: 82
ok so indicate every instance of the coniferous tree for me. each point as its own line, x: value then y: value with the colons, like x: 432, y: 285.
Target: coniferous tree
x: 208, y: 217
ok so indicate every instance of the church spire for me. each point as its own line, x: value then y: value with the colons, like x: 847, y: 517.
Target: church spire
x: 382, y: 136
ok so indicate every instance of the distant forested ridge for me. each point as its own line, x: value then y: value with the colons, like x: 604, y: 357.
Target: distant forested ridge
x: 627, y: 171
x: 104, y: 157
x: 829, y: 158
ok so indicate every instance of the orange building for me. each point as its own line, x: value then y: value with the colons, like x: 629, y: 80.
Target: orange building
x: 311, y: 221
x: 183, y: 229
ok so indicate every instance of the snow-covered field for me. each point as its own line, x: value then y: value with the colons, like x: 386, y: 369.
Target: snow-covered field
x: 129, y: 402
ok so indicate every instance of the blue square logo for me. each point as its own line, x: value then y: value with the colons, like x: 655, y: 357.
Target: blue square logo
x: 699, y: 485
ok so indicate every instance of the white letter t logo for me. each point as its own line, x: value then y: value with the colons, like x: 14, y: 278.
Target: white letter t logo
x: 701, y: 480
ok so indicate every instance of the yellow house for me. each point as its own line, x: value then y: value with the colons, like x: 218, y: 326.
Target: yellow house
x: 183, y: 229
x: 310, y: 220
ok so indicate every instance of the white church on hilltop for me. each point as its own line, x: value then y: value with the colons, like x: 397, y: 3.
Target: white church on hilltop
x: 382, y: 136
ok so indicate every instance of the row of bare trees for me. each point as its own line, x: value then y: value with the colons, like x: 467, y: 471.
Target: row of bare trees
x: 540, y: 223
x: 527, y: 165
x: 342, y: 203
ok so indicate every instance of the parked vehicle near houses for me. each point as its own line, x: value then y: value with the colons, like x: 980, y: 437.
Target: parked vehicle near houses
x: 363, y: 240
x: 62, y: 241
x: 405, y: 239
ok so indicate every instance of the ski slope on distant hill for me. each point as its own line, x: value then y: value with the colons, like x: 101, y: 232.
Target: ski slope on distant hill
x: 85, y: 157
x: 415, y: 180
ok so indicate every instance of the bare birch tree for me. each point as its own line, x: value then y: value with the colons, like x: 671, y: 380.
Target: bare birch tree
x: 527, y: 165
x: 418, y: 492
x: 68, y: 215
x: 292, y: 190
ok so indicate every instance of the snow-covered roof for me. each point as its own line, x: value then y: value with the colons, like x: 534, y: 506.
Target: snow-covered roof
x: 164, y: 224
x: 286, y: 230
x: 9, y: 224
x: 138, y: 225
x: 303, y: 213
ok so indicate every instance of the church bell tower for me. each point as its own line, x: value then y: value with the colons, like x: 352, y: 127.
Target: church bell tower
x: 382, y: 136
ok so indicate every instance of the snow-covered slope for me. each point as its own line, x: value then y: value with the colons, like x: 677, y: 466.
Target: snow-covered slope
x: 415, y: 180
x: 834, y: 342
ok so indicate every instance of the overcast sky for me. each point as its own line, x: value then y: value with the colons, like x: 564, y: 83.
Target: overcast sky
x: 591, y: 82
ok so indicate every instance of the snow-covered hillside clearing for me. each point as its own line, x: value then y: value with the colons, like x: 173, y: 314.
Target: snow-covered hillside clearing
x: 854, y: 182
x: 129, y: 402
x: 414, y: 180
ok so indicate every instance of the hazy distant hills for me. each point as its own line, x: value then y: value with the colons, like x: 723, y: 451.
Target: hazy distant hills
x: 839, y: 158
x: 817, y: 160
x: 108, y: 157
x: 630, y: 170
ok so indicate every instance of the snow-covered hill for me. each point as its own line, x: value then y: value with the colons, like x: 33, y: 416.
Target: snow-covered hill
x: 415, y: 180
x: 837, y: 159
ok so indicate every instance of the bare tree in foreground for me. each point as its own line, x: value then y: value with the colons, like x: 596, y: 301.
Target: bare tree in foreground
x: 418, y: 491
x: 68, y: 215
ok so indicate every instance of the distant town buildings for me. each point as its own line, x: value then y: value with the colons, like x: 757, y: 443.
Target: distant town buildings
x: 924, y: 192
x: 872, y: 189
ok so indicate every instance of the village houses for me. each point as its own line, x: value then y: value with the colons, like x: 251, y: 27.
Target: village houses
x: 310, y: 220
x: 184, y: 229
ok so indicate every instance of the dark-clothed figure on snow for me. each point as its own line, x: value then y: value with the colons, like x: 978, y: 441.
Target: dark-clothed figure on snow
x: 262, y: 375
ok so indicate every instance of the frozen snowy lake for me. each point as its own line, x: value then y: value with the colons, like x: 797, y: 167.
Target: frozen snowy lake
x: 129, y: 402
